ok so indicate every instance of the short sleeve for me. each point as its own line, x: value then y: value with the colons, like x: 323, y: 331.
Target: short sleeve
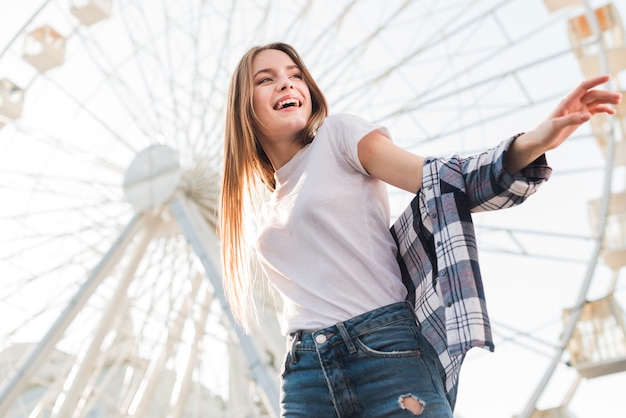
x: 346, y: 130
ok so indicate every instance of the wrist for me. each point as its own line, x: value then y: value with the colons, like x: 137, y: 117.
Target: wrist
x: 523, y: 150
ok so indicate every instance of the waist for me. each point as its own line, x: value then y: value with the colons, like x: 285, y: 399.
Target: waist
x: 354, y: 327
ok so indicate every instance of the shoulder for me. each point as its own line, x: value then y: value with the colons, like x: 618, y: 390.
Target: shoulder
x: 345, y: 120
x: 351, y: 126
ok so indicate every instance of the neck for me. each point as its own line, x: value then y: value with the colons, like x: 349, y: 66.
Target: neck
x: 281, y: 152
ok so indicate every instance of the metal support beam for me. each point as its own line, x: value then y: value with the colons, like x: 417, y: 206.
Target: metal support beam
x: 76, y: 383
x: 182, y: 393
x: 20, y: 379
x: 146, y: 394
x: 205, y: 243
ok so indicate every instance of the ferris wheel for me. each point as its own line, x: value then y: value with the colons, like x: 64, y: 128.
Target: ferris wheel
x: 111, y: 123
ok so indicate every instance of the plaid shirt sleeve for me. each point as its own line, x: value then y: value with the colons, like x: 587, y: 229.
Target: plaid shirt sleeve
x: 437, y: 249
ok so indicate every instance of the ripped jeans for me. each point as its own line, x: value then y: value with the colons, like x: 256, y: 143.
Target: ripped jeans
x: 375, y: 365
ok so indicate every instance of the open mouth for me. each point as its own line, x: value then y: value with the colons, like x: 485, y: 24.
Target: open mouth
x: 283, y: 104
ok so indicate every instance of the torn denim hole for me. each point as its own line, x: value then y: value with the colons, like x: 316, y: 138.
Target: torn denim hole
x: 412, y: 403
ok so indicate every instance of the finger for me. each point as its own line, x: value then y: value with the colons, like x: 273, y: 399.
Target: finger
x: 604, y: 102
x: 598, y: 97
x: 594, y: 97
x: 594, y: 82
x: 602, y: 109
x: 585, y: 86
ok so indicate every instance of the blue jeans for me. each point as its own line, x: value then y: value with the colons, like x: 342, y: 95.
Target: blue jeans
x: 377, y: 364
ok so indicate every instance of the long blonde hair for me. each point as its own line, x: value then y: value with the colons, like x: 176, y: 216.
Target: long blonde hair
x: 245, y: 165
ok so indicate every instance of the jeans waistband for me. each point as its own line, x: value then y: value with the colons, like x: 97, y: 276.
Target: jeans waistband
x: 343, y: 332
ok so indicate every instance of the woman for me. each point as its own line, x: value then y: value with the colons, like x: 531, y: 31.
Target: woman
x: 355, y: 347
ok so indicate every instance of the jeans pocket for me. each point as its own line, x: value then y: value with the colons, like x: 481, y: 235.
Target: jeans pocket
x: 394, y: 340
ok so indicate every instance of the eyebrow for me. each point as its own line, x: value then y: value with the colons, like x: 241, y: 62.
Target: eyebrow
x: 269, y: 70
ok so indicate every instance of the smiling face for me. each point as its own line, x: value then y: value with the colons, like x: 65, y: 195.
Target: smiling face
x: 281, y: 97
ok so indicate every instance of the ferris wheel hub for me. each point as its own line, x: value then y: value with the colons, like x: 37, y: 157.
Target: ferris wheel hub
x: 152, y: 178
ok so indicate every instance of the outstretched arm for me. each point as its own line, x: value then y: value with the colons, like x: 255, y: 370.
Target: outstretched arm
x: 574, y: 110
x: 388, y: 162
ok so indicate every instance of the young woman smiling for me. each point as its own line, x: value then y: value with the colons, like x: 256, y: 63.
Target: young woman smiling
x: 357, y: 343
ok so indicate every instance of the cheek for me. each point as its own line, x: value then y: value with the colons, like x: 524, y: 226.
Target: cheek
x: 258, y: 107
x: 259, y: 98
x: 309, y: 102
x: 256, y: 102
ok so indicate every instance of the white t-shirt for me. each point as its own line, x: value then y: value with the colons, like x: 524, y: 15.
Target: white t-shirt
x: 324, y: 239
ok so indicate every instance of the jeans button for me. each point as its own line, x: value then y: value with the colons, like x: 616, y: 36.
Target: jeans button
x: 320, y: 338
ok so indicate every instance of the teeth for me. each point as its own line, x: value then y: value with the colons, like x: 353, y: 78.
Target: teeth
x: 283, y: 103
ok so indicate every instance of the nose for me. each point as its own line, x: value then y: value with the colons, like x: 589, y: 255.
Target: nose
x: 285, y: 83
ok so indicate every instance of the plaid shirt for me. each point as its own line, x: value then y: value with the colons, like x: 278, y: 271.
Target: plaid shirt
x: 437, y: 249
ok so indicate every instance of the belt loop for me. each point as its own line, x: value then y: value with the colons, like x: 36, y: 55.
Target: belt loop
x: 346, y: 337
x: 297, y: 336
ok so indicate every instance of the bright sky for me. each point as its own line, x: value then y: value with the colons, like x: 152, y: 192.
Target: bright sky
x: 75, y: 145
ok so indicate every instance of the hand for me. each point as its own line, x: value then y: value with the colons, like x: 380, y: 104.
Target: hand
x: 574, y: 110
